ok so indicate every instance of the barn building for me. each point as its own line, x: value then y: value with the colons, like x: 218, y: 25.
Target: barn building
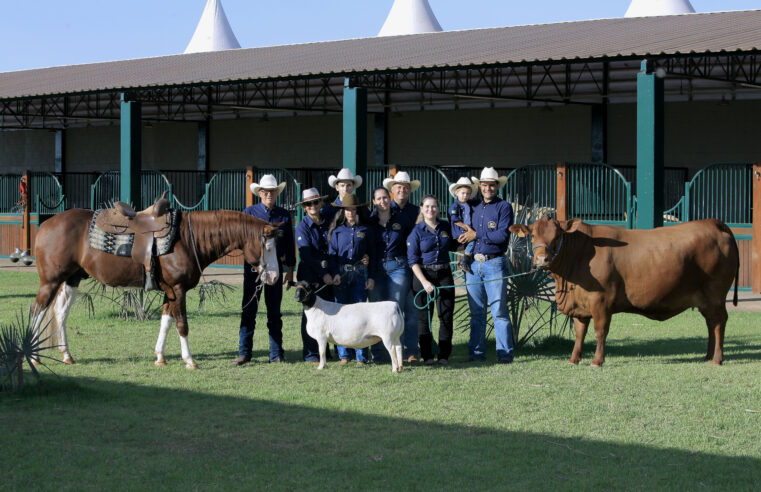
x: 636, y: 121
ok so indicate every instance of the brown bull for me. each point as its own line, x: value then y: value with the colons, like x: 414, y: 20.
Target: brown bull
x: 602, y: 270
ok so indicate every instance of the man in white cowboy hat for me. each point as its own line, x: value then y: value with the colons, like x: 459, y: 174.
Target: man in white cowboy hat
x: 401, y: 187
x: 267, y: 189
x: 345, y: 183
x: 492, y: 217
x: 460, y: 216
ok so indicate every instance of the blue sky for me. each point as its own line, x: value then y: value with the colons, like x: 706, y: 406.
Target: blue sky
x: 44, y: 33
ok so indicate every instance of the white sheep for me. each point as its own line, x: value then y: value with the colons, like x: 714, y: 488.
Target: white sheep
x: 352, y: 325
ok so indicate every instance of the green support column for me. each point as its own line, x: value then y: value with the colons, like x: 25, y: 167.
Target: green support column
x: 355, y: 129
x: 650, y: 125
x: 131, y: 148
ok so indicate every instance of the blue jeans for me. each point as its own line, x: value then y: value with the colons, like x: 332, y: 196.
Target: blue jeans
x: 393, y: 284
x: 493, y: 294
x: 350, y: 291
x: 273, y: 295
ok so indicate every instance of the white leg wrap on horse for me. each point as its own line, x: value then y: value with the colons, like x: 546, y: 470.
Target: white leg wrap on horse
x: 189, y: 362
x: 62, y: 306
x: 166, y: 324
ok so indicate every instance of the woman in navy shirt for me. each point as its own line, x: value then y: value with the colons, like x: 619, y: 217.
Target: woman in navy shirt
x: 428, y: 248
x: 351, y: 258
x: 312, y: 241
x: 391, y: 228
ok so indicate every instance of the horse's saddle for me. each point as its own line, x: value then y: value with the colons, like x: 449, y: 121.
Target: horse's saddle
x: 141, y: 235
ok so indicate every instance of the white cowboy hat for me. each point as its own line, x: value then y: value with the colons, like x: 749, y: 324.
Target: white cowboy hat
x: 490, y: 174
x: 310, y: 195
x: 401, y: 178
x: 463, y: 182
x: 268, y: 182
x: 345, y: 174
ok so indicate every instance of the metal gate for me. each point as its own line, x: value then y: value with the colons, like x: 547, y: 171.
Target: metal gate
x: 533, y: 184
x: 107, y: 189
x: 599, y: 194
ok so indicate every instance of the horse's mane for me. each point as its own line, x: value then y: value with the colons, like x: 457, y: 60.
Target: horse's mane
x: 218, y: 232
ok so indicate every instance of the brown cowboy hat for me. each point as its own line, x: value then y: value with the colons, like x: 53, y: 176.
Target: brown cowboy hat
x: 350, y: 201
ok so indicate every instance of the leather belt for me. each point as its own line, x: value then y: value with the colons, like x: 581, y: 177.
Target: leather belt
x: 351, y: 268
x: 437, y: 266
x: 402, y: 259
x: 482, y: 258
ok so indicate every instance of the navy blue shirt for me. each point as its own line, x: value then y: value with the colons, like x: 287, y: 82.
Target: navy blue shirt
x: 410, y: 211
x: 348, y: 244
x: 428, y: 248
x: 461, y: 212
x: 284, y: 243
x: 391, y: 239
x: 492, y: 222
x: 312, y: 240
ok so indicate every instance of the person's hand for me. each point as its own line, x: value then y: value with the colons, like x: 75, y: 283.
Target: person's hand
x: 327, y: 279
x: 467, y: 236
x: 370, y: 284
x: 337, y: 280
x: 288, y: 280
x: 428, y: 286
x: 365, y: 260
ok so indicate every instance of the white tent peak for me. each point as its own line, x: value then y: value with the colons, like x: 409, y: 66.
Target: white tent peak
x: 213, y: 32
x: 410, y: 17
x: 649, y: 8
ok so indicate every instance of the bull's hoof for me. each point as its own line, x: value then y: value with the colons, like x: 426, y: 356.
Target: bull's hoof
x: 717, y: 362
x: 574, y: 362
x: 595, y: 366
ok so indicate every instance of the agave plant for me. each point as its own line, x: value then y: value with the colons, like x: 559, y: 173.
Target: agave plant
x: 20, y: 342
x: 131, y: 303
x: 213, y: 292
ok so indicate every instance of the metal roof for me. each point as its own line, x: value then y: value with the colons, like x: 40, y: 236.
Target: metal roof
x: 584, y: 40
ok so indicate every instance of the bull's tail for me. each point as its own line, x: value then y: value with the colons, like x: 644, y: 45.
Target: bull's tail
x: 737, y: 254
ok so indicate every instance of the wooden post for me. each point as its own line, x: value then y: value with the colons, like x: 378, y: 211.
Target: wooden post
x: 561, y: 193
x: 249, y: 180
x: 26, y: 235
x: 755, y: 274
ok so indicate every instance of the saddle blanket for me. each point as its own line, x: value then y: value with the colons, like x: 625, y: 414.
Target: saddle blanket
x: 121, y: 244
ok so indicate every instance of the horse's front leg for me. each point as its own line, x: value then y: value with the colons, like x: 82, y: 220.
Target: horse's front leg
x: 181, y: 318
x: 166, y: 323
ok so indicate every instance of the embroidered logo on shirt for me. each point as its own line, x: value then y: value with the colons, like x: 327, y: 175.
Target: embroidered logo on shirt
x: 444, y: 234
x: 492, y: 225
x: 280, y: 233
x: 397, y: 227
x: 360, y: 234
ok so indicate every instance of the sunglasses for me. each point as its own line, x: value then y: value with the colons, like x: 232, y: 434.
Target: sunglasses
x: 313, y: 203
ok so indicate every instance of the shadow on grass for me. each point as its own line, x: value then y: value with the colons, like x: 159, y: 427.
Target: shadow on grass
x: 18, y: 296
x: 89, y: 433
x: 679, y: 349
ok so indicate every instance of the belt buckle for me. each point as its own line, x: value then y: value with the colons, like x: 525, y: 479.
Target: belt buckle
x: 348, y: 268
x: 479, y: 257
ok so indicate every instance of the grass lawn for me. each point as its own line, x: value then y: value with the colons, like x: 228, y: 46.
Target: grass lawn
x: 655, y: 417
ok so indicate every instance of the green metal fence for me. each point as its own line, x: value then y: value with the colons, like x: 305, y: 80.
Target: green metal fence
x: 723, y: 191
x: 227, y: 190
x: 9, y: 193
x: 46, y: 193
x: 598, y: 194
x: 533, y: 184
x: 107, y: 189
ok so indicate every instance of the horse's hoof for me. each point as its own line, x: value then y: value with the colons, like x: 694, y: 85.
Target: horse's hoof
x: 160, y: 363
x: 191, y: 366
x: 68, y: 361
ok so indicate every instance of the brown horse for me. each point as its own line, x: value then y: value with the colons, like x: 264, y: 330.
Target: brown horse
x: 64, y: 258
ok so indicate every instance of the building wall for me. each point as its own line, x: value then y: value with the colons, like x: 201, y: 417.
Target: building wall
x: 491, y: 137
x: 697, y: 134
x: 26, y: 150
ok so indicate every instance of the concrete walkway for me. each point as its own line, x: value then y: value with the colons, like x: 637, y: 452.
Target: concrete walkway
x: 747, y: 301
